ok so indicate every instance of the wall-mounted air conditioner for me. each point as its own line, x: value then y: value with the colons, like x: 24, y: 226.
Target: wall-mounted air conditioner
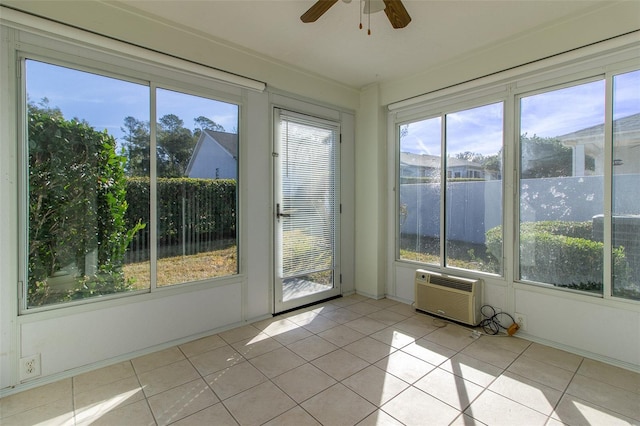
x: 451, y: 297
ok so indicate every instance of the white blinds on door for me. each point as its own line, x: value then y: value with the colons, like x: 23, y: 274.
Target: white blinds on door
x: 308, y: 167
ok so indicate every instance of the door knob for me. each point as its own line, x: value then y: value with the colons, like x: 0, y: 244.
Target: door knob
x: 279, y: 214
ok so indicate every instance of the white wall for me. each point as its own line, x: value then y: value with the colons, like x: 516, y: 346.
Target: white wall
x: 620, y: 17
x: 9, y: 216
x: 98, y: 333
x: 370, y: 195
x: 117, y: 22
x: 74, y: 339
x: 601, y: 329
x: 585, y: 325
x: 123, y: 327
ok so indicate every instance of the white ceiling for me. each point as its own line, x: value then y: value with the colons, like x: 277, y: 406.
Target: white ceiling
x: 334, y: 47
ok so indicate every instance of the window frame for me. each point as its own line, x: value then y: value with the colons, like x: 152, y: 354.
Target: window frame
x: 604, y: 60
x: 104, y: 63
x: 541, y: 88
x: 441, y: 110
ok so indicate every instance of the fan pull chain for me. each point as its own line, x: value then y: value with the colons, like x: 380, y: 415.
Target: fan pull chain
x: 363, y: 4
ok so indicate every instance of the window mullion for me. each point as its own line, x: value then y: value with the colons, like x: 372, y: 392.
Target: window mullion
x: 509, y: 192
x: 153, y: 196
x: 443, y: 189
x: 607, y: 267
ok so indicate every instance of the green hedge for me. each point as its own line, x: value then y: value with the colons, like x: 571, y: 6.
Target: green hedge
x: 77, y: 209
x: 193, y: 214
x: 562, y: 254
x: 570, y: 229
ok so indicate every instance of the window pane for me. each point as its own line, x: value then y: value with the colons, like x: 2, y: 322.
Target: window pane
x: 626, y: 181
x: 197, y: 163
x: 561, y: 187
x: 419, y: 210
x: 305, y: 188
x: 80, y: 224
x: 473, y: 197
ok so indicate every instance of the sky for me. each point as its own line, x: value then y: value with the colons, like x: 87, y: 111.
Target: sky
x: 548, y: 114
x: 104, y: 102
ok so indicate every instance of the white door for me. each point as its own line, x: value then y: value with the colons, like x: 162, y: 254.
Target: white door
x: 306, y: 209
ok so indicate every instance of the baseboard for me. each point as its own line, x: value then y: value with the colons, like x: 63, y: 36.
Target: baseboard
x: 40, y: 381
x: 587, y: 354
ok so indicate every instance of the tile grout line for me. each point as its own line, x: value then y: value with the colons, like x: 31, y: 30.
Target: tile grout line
x: 377, y: 406
x: 146, y: 398
x: 207, y: 383
x: 564, y: 392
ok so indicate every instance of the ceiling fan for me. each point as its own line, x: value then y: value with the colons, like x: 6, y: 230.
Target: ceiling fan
x: 395, y: 10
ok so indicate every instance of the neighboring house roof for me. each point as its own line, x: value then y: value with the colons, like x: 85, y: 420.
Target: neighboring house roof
x: 228, y: 142
x: 626, y: 130
x: 420, y: 160
x: 433, y: 161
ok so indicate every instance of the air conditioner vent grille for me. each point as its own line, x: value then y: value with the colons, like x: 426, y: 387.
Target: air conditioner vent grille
x: 448, y: 296
x: 451, y: 283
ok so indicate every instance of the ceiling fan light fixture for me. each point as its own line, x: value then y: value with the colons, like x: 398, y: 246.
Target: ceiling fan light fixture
x: 394, y: 9
x: 373, y: 6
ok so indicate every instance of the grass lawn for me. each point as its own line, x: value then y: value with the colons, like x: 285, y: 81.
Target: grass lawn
x: 180, y: 269
x: 459, y: 255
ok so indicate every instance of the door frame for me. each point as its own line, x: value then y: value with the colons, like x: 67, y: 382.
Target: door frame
x: 347, y: 119
x: 279, y: 305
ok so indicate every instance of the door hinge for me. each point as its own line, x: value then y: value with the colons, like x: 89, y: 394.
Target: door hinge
x: 340, y: 137
x: 340, y: 208
x: 340, y: 278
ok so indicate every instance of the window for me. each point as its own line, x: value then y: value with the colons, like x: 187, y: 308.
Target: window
x: 196, y: 187
x: 471, y: 144
x: 79, y: 227
x: 563, y: 176
x: 90, y: 178
x: 572, y: 156
x: 561, y: 186
x: 625, y: 219
x: 420, y: 191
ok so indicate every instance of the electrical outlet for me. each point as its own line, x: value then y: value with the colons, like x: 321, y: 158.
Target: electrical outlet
x: 30, y: 367
x: 521, y: 320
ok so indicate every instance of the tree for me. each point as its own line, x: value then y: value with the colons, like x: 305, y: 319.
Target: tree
x: 470, y: 156
x: 204, y: 123
x: 543, y: 157
x: 43, y: 107
x: 493, y: 164
x: 404, y: 130
x: 136, y: 147
x: 175, y: 146
x: 77, y: 206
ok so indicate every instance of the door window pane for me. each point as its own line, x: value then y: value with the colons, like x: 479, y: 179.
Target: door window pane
x: 561, y: 187
x: 197, y: 169
x: 80, y: 224
x: 473, y: 198
x: 420, y: 191
x: 306, y: 206
x: 626, y: 181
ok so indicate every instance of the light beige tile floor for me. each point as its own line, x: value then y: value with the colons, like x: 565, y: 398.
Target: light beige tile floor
x: 349, y: 361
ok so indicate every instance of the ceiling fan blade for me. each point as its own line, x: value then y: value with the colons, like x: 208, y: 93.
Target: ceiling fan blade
x: 397, y: 14
x: 317, y: 10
